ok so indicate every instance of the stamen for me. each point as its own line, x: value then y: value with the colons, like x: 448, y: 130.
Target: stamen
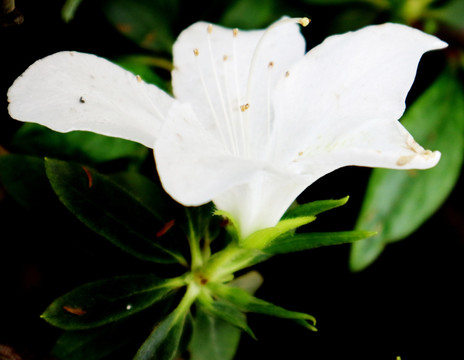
x: 218, y: 85
x: 225, y: 57
x: 271, y: 64
x: 196, y: 52
x: 237, y: 89
x: 287, y: 73
x: 139, y: 78
x: 208, y: 99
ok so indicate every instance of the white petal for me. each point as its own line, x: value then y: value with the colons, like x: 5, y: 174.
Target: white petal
x: 345, y: 82
x: 212, y: 68
x: 191, y: 162
x: 378, y: 143
x: 261, y: 202
x: 74, y: 91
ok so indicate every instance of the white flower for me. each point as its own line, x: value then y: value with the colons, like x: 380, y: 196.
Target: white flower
x: 255, y: 120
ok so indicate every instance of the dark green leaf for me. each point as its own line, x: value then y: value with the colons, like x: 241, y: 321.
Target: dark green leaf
x: 163, y: 343
x: 383, y: 4
x: 398, y: 202
x: 146, y: 22
x: 311, y: 240
x: 213, y: 338
x: 25, y: 180
x: 91, y: 344
x: 80, y: 146
x: 104, y: 301
x: 109, y: 210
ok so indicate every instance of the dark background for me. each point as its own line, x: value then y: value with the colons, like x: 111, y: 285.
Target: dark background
x: 409, y: 303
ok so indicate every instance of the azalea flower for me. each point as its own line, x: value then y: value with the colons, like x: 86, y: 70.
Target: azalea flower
x: 254, y: 119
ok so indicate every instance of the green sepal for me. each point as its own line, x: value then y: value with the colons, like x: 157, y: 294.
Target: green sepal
x: 314, y: 208
x: 108, y: 300
x: 231, y: 225
x: 307, y: 241
x: 226, y: 312
x: 261, y: 238
x: 246, y: 302
x: 111, y: 211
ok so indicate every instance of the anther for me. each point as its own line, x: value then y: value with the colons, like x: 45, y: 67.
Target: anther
x: 287, y: 73
x: 138, y: 77
x: 196, y: 52
x: 244, y: 107
x: 235, y: 32
x: 225, y: 57
x: 210, y: 29
x: 271, y: 64
x: 304, y: 21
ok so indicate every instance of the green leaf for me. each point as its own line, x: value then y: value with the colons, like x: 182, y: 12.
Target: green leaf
x: 163, y: 343
x: 246, y: 14
x: 108, y: 300
x: 398, y: 202
x: 147, y: 23
x: 79, y: 146
x: 307, y: 241
x: 226, y: 312
x: 110, y: 211
x: 69, y: 9
x: 213, y: 338
x: 246, y: 302
x: 24, y: 178
x: 382, y: 4
x: 452, y: 13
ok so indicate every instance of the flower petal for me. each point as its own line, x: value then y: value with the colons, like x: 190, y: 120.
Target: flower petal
x: 191, y: 162
x: 343, y: 83
x: 74, y: 91
x: 212, y: 72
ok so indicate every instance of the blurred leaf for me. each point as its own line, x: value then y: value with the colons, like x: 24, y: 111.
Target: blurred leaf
x: 452, y: 13
x: 383, y: 4
x: 25, y: 180
x: 80, y: 146
x: 148, y: 23
x: 247, y: 14
x: 110, y: 211
x: 165, y: 339
x: 307, y: 241
x: 142, y: 65
x: 69, y: 9
x: 398, y: 202
x: 104, y: 301
x: 91, y: 344
x: 213, y: 338
x: 246, y: 302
